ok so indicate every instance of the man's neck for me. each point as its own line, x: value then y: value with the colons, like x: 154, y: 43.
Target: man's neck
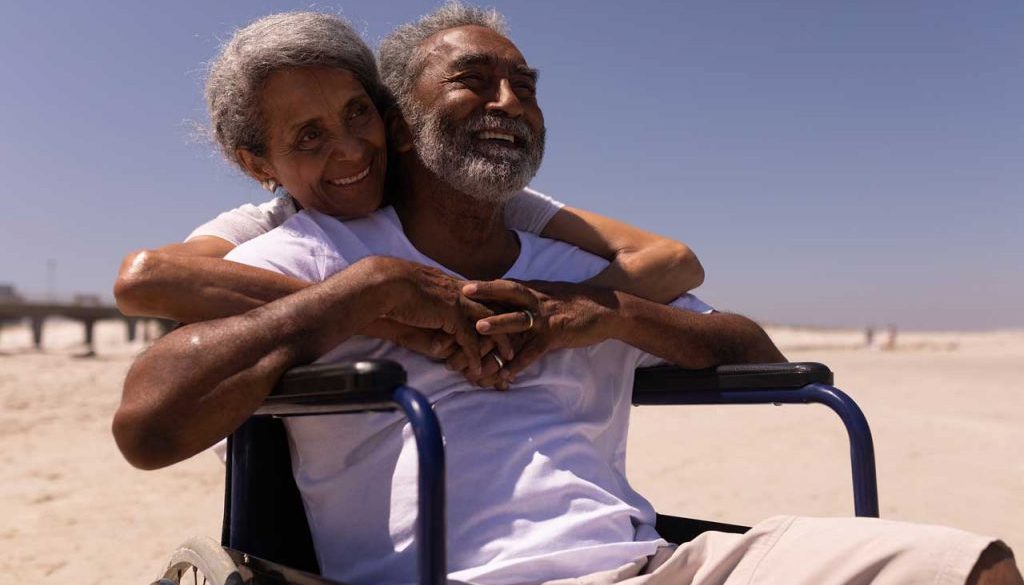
x: 462, y: 233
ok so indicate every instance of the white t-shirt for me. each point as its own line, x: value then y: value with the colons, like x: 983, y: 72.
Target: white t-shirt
x: 536, y: 475
x: 527, y: 210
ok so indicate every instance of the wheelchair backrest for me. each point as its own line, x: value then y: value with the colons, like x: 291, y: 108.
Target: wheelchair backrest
x: 263, y: 511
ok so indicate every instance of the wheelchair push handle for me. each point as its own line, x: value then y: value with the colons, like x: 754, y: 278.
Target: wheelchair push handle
x: 731, y: 377
x: 335, y: 388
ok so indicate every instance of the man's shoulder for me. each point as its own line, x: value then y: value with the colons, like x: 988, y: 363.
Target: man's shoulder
x: 247, y: 221
x: 294, y: 248
x: 299, y: 229
x: 312, y: 245
x: 546, y: 259
x: 315, y: 228
x: 270, y: 214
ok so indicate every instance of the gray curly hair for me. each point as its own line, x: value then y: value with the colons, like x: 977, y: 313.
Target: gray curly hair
x: 398, y: 55
x: 278, y: 41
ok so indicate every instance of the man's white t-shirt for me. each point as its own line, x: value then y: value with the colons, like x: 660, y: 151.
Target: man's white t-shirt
x: 528, y: 210
x: 535, y: 476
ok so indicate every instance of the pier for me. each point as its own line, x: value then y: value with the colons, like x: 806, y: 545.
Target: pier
x: 87, y: 315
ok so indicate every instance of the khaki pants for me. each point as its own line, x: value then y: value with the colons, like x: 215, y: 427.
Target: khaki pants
x: 791, y: 550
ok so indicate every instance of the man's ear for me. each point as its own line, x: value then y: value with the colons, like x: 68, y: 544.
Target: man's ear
x: 258, y: 168
x: 398, y: 130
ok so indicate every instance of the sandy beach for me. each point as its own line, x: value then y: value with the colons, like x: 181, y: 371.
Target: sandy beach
x: 946, y: 409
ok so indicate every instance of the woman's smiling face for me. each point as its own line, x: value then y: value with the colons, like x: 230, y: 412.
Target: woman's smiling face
x: 325, y: 141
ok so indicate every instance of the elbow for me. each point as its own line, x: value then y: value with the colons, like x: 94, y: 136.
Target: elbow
x: 132, y: 284
x: 660, y: 272
x: 760, y: 349
x: 142, y: 445
x: 687, y: 265
x: 147, y: 433
x: 750, y: 343
x: 677, y: 268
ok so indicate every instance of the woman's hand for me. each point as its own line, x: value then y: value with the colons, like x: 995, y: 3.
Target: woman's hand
x: 433, y: 343
x: 440, y: 345
x: 540, y: 316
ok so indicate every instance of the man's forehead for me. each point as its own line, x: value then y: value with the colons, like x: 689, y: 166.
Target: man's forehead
x: 470, y: 43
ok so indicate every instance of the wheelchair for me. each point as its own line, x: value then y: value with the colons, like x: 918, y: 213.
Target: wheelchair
x: 265, y: 537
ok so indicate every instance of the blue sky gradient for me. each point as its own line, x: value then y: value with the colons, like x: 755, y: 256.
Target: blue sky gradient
x: 832, y: 163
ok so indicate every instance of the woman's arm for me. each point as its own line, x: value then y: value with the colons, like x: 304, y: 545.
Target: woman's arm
x: 191, y: 282
x: 642, y: 264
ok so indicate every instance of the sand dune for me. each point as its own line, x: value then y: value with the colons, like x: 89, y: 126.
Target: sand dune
x: 946, y: 411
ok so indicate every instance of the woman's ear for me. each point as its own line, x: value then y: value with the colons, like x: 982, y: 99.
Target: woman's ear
x: 258, y: 168
x: 398, y: 130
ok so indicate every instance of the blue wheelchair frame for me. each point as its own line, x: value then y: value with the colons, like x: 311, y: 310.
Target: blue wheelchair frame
x: 265, y: 541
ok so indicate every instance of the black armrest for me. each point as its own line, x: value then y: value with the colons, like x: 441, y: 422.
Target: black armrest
x: 661, y: 379
x: 334, y: 388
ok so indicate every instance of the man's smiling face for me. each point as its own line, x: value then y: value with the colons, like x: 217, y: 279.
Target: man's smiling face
x: 475, y: 119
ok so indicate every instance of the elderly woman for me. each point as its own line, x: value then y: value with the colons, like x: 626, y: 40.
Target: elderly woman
x: 296, y: 102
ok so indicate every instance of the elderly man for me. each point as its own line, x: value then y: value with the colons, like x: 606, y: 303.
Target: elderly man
x: 536, y: 474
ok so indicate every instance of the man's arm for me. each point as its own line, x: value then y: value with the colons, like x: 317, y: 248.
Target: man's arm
x: 197, y: 384
x: 191, y: 282
x: 685, y: 338
x: 578, y: 315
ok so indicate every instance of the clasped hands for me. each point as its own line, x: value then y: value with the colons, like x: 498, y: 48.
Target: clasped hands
x: 490, y: 331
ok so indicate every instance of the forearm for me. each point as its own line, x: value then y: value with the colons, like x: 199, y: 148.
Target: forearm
x: 640, y: 262
x: 687, y: 339
x: 661, y: 271
x: 188, y: 289
x: 197, y: 384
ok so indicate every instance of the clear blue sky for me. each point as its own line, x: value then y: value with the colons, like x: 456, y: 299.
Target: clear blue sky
x: 833, y: 163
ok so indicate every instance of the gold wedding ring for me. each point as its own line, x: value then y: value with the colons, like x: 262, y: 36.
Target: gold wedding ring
x: 529, y: 316
x: 497, y: 358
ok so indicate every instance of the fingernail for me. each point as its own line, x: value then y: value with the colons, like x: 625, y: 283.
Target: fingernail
x: 469, y: 289
x: 483, y: 326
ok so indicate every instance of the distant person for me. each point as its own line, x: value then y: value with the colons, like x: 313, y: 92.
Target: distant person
x: 890, y: 336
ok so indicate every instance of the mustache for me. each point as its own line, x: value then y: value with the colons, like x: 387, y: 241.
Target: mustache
x: 493, y: 123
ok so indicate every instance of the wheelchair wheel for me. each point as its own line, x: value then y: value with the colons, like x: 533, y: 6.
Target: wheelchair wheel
x: 200, y: 561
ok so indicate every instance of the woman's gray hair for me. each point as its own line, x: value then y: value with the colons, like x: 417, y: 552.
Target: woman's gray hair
x: 278, y: 41
x: 400, y: 60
